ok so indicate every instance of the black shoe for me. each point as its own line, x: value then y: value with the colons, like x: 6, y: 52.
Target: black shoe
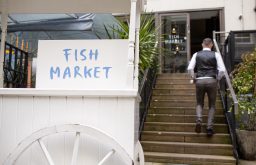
x: 198, y: 127
x: 209, y: 132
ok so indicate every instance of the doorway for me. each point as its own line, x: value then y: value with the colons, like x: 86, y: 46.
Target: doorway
x: 182, y: 35
x: 202, y: 24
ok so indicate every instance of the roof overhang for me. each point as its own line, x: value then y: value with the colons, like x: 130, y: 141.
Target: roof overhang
x: 68, y: 6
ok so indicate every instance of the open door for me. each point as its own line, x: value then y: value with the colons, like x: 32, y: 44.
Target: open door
x: 175, y: 50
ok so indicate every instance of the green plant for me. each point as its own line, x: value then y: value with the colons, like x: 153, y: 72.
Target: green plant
x: 244, y: 83
x: 147, y: 39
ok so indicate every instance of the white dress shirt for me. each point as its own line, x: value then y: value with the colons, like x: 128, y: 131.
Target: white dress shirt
x: 220, y: 65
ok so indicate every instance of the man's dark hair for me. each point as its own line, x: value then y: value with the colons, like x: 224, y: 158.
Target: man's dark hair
x: 207, y: 41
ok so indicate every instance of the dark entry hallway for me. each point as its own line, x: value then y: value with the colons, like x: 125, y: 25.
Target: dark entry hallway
x: 201, y: 26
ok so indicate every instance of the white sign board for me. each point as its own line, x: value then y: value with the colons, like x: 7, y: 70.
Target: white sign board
x: 82, y: 64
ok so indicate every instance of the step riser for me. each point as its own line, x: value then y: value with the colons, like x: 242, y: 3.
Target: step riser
x: 179, y: 104
x: 173, y: 91
x: 172, y: 81
x: 184, y: 111
x: 223, y: 151
x: 186, y: 138
x: 185, y: 75
x: 179, y: 97
x: 181, y: 119
x: 182, y: 161
x: 167, y: 86
x: 181, y: 128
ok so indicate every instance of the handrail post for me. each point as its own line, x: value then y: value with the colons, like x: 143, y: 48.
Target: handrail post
x: 131, y: 45
x: 4, y: 19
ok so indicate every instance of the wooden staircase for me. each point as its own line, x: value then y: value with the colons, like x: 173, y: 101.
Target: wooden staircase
x: 169, y: 137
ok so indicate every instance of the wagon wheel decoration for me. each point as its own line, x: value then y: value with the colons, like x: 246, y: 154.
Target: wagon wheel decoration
x: 78, y: 130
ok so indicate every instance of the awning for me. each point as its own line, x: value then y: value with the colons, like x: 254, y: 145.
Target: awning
x: 69, y: 24
x: 68, y: 6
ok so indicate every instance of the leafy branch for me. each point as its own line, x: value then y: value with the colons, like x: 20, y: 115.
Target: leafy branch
x: 244, y: 83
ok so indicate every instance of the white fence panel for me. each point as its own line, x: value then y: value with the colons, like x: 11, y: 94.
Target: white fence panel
x: 21, y: 115
x: 24, y: 124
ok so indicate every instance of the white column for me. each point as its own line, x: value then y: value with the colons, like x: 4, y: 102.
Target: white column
x: 4, y: 18
x: 137, y: 56
x: 130, y: 74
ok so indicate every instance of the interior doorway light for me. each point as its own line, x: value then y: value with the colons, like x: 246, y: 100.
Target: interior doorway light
x: 173, y: 30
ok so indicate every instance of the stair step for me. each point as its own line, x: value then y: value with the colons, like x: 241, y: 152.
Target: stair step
x: 175, y: 91
x: 181, y: 110
x: 187, y: 148
x: 180, y: 97
x: 181, y: 127
x: 186, y: 75
x: 167, y: 86
x: 173, y: 81
x: 183, y: 103
x: 182, y: 118
x: 189, y: 137
x: 173, y: 76
x: 181, y: 77
x: 191, y: 159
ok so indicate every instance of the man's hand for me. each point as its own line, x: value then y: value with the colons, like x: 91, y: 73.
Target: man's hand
x: 191, y: 73
x: 220, y: 75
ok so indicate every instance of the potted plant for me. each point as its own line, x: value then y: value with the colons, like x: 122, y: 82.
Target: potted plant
x: 244, y: 83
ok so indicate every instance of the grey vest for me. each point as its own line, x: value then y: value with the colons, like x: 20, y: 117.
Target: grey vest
x: 206, y: 64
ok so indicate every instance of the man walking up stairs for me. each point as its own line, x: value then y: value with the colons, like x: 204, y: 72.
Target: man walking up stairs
x: 169, y: 131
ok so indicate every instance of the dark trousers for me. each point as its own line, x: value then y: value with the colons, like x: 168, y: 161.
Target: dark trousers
x: 209, y: 86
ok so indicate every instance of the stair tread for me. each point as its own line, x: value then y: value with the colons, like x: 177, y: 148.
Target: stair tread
x: 172, y: 88
x: 174, y: 123
x: 174, y: 83
x: 218, y: 158
x: 179, y: 107
x: 177, y: 100
x: 176, y: 94
x: 189, y: 144
x: 173, y: 77
x: 168, y: 114
x: 172, y: 74
x: 182, y: 133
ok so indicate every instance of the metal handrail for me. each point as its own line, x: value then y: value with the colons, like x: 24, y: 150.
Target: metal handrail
x: 230, y: 115
x: 145, y: 92
x: 231, y: 89
x: 143, y: 81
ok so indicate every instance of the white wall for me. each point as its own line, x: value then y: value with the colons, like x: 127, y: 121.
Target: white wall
x: 182, y: 5
x: 249, y: 15
x: 24, y: 111
x: 232, y: 10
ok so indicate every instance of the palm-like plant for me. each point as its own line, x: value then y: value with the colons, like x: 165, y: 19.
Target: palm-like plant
x: 147, y: 42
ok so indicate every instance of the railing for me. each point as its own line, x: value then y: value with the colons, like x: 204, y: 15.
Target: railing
x: 15, y: 67
x: 226, y: 90
x: 145, y: 91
